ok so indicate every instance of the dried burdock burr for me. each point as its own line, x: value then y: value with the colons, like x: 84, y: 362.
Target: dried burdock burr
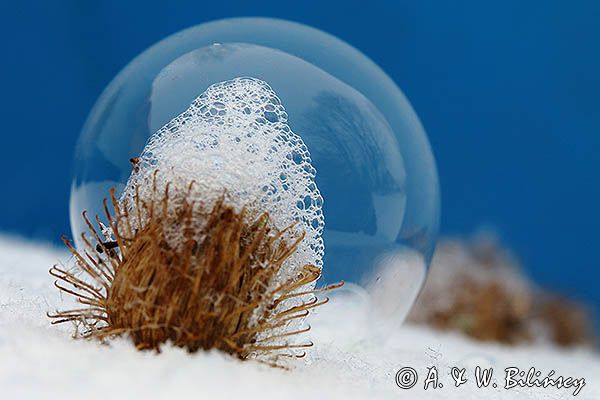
x: 214, y: 293
x: 479, y: 288
x: 206, y: 247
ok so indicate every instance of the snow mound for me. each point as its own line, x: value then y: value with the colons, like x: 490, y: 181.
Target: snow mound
x: 38, y: 360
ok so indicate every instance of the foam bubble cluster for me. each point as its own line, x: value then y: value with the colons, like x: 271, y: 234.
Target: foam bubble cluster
x: 234, y: 140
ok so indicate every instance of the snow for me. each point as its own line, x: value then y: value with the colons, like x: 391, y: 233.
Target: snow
x: 349, y: 361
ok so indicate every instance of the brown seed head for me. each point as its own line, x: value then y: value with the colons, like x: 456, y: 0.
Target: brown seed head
x: 218, y: 289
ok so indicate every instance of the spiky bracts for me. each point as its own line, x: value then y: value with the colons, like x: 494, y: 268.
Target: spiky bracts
x: 217, y: 289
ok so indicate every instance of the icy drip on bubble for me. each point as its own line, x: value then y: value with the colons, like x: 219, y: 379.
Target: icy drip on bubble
x: 234, y: 140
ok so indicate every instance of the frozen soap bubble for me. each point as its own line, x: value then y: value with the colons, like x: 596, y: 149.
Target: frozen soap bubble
x: 375, y: 173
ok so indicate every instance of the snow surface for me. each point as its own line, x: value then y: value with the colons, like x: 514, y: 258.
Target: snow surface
x: 40, y: 361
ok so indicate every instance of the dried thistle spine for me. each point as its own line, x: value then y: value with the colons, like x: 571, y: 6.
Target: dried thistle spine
x: 214, y: 292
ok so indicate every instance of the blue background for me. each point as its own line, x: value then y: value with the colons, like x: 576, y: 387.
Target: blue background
x: 507, y: 91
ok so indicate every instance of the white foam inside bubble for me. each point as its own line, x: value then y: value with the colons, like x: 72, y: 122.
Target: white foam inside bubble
x: 235, y: 139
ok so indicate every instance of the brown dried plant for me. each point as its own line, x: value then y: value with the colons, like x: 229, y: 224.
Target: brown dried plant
x: 217, y: 292
x: 478, y: 288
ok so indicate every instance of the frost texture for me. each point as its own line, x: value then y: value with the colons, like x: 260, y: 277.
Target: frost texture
x: 38, y: 363
x: 234, y: 139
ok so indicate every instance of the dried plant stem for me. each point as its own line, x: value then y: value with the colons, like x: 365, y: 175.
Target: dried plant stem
x: 217, y: 292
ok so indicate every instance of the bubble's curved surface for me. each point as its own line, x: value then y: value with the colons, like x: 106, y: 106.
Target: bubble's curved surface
x: 374, y: 166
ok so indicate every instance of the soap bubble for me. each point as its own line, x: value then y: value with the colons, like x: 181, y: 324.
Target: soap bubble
x: 374, y: 167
